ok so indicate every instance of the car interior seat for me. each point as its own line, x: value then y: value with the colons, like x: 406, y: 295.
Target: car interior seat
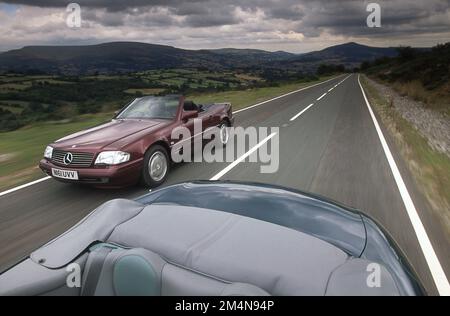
x: 140, y: 272
x: 190, y: 106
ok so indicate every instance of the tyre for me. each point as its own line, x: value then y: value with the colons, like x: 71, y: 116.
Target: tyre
x: 156, y: 166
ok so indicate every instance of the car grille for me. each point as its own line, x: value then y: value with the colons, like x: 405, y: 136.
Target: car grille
x: 79, y: 159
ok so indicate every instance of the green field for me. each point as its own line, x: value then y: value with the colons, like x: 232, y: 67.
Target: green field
x: 21, y: 150
x: 144, y: 91
x: 244, y: 98
x: 27, y: 99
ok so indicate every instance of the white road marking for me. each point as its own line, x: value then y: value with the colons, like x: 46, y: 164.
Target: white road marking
x: 244, y: 109
x: 438, y: 274
x: 242, y: 158
x: 301, y: 112
x: 318, y: 99
x: 284, y: 95
x: 24, y: 185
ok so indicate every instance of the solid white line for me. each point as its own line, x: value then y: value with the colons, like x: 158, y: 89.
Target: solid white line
x: 318, y: 99
x: 284, y: 95
x: 242, y: 158
x: 301, y: 112
x: 24, y: 185
x: 438, y: 274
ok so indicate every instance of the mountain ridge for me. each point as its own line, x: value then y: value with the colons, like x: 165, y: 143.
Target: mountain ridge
x: 122, y: 57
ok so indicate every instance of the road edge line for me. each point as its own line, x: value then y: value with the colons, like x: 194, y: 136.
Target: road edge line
x: 24, y: 185
x: 435, y: 267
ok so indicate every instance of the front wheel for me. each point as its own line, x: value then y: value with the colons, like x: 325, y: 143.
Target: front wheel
x: 156, y: 166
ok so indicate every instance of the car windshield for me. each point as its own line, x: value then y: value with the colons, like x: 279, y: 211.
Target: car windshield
x: 151, y: 107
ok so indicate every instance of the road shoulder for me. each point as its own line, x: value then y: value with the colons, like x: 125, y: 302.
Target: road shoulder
x: 421, y: 174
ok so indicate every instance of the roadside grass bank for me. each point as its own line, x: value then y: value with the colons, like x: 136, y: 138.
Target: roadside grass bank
x: 430, y: 169
x: 21, y: 150
x: 438, y: 99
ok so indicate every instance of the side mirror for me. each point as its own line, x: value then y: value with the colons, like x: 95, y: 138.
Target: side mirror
x: 186, y: 115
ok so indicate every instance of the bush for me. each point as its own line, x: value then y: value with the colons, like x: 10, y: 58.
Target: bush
x: 325, y: 69
x: 8, y: 121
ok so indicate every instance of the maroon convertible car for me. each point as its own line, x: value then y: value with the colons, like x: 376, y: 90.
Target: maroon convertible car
x: 134, y: 146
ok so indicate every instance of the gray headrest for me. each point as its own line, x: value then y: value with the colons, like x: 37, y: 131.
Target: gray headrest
x: 139, y: 272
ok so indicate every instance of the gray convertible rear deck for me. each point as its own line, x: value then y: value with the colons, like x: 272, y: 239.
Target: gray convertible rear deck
x: 202, y: 246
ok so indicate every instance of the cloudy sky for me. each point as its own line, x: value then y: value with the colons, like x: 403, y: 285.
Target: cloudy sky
x: 290, y: 25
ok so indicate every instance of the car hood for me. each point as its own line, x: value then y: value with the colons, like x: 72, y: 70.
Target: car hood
x: 105, y: 134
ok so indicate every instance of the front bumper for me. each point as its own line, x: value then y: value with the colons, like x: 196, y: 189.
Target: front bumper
x: 111, y: 176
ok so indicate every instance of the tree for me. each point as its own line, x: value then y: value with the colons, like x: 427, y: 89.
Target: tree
x: 406, y: 53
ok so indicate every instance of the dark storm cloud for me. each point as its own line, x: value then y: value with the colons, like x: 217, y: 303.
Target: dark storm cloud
x: 346, y: 17
x: 112, y: 5
x: 246, y: 21
x: 349, y: 17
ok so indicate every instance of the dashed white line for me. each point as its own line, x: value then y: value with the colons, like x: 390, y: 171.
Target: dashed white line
x: 242, y: 158
x: 283, y: 95
x: 301, y: 112
x: 318, y: 99
x: 438, y: 274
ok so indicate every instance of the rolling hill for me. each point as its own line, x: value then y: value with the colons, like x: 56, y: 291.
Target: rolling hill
x: 123, y: 57
x: 349, y: 54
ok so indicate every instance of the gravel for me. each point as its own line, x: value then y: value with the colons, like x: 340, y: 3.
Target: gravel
x: 432, y: 125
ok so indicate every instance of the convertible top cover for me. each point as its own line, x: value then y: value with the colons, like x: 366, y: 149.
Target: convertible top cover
x: 166, y: 249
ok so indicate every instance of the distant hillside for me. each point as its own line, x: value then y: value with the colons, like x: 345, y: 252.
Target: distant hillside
x: 253, y: 54
x: 103, y: 58
x: 123, y: 57
x: 349, y: 54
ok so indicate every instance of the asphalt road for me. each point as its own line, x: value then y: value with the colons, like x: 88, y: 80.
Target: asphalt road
x: 331, y: 149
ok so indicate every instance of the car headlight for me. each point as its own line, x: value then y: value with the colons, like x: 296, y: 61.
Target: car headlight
x: 48, y: 152
x: 112, y: 158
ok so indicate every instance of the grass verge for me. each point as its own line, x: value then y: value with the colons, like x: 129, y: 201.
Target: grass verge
x: 429, y: 168
x: 21, y: 150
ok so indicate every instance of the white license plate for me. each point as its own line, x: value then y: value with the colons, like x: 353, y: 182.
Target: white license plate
x: 65, y: 174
